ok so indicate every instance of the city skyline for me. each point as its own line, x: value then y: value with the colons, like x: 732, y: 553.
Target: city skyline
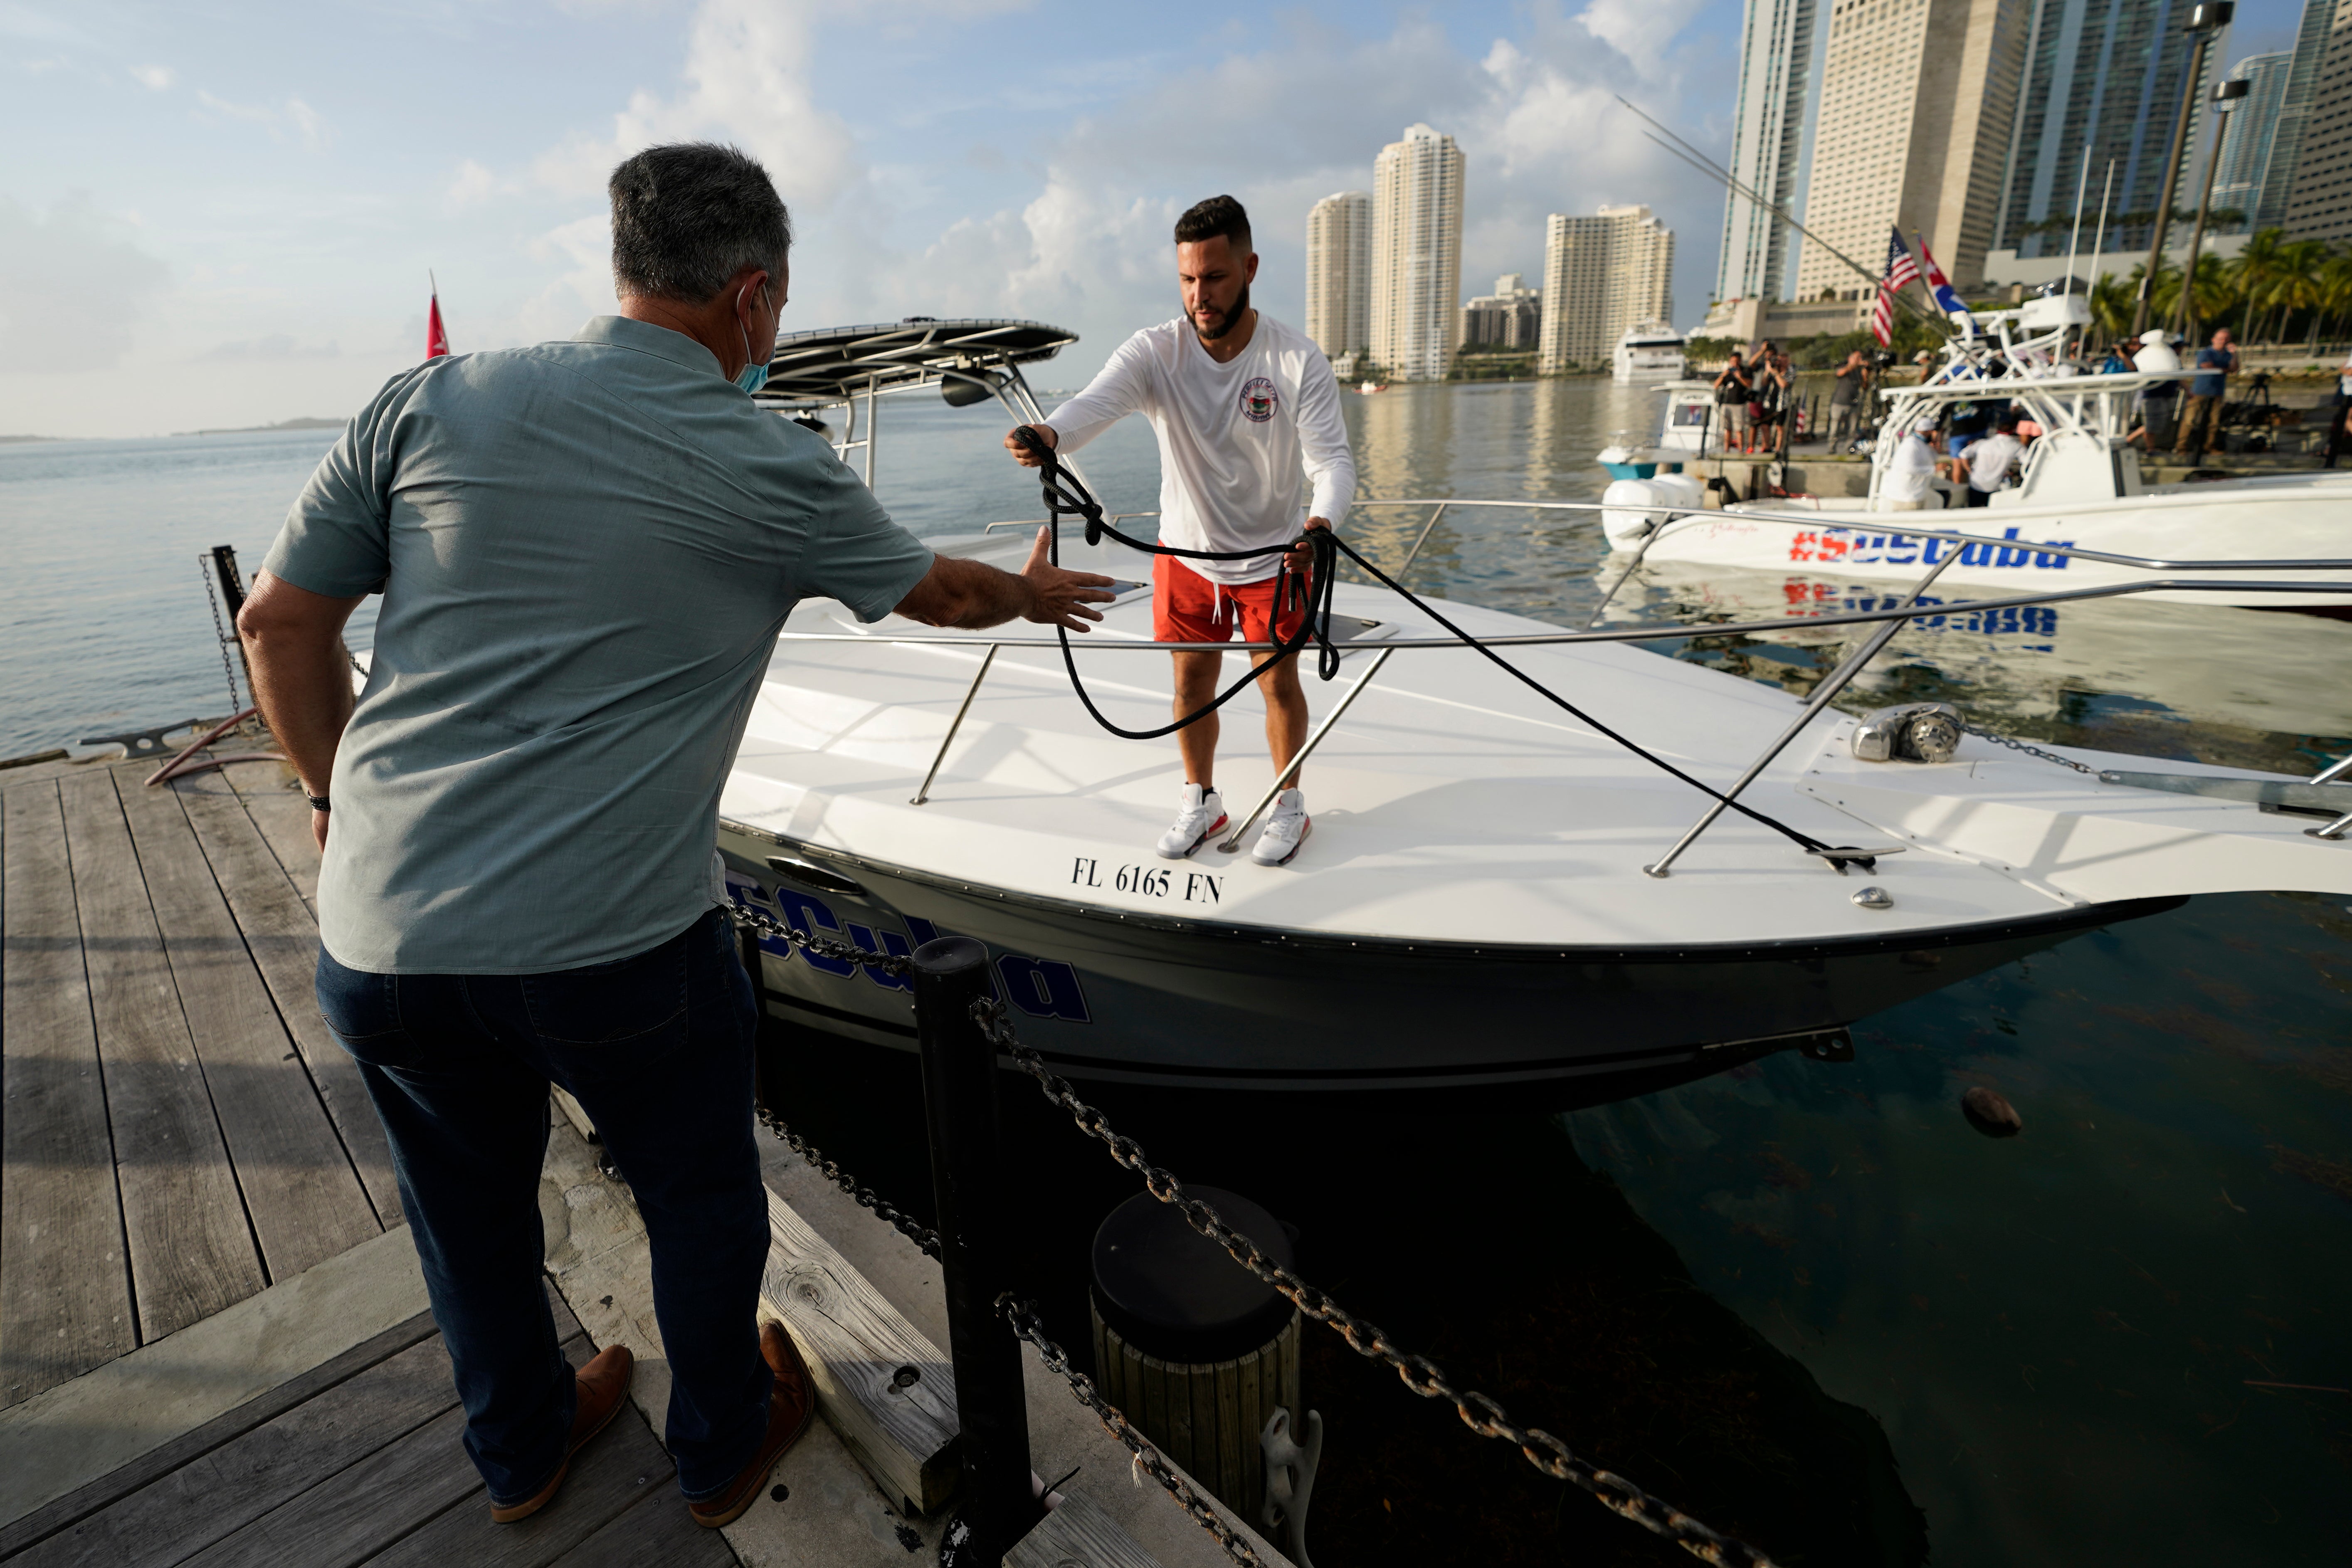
x: 1416, y: 254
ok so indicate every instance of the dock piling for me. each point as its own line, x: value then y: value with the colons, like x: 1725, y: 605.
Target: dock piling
x: 967, y: 1177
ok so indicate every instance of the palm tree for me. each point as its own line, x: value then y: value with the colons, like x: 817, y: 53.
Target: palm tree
x: 2210, y: 292
x: 2161, y: 297
x: 2254, y: 269
x: 2335, y: 283
x: 2111, y: 306
x: 2298, y: 287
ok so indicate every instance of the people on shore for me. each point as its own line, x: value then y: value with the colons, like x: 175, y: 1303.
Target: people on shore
x: 2159, y: 403
x: 2339, y: 412
x: 1734, y: 386
x: 2200, y: 423
x: 1767, y: 401
x: 1849, y: 396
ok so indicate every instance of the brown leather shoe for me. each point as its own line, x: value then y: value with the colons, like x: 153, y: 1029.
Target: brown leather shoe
x: 601, y: 1383
x: 790, y: 1405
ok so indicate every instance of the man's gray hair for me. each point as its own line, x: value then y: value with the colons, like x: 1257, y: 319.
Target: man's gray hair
x: 689, y: 216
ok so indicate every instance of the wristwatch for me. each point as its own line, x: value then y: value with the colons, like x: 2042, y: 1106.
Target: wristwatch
x: 318, y: 803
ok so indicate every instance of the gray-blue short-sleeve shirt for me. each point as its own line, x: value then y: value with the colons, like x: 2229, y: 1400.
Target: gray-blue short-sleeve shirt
x: 585, y: 551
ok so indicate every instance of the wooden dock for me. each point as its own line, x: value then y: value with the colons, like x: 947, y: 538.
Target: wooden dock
x: 180, y: 1130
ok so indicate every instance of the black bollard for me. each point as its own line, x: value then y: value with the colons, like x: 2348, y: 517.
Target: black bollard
x: 967, y: 1176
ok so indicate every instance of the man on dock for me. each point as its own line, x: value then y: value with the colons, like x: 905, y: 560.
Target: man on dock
x: 1846, y: 397
x: 586, y: 549
x: 1244, y: 408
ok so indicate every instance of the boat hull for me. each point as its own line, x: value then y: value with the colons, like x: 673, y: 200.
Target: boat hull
x: 2215, y: 521
x: 1197, y: 1004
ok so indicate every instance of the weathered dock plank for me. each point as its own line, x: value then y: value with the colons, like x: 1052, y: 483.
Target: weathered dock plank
x: 65, y: 1286
x: 213, y: 1494
x: 1079, y: 1535
x: 656, y: 1530
x: 192, y: 1253
x: 300, y: 1189
x: 283, y: 937
x: 352, y: 1516
x: 283, y: 817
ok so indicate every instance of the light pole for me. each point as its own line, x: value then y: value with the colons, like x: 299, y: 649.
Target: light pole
x: 2204, y: 20
x: 2226, y: 95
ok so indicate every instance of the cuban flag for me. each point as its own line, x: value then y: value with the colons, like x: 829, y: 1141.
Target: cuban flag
x: 436, y: 337
x: 1900, y: 270
x: 1948, y: 299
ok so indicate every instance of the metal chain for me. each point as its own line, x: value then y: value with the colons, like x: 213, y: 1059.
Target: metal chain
x: 1982, y: 734
x: 1146, y: 1459
x: 921, y: 1235
x: 1479, y: 1412
x: 220, y: 635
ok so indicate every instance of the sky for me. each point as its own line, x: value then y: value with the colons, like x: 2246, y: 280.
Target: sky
x: 216, y: 215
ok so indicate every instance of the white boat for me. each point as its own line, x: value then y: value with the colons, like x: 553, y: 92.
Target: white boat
x: 1651, y: 350
x: 1495, y: 895
x: 1685, y: 425
x: 2080, y: 485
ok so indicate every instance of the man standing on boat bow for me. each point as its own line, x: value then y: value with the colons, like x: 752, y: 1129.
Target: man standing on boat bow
x: 1246, y: 409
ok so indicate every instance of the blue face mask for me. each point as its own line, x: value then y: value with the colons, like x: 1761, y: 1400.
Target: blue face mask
x: 755, y: 370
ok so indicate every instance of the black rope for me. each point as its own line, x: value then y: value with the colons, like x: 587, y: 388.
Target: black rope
x: 1066, y: 496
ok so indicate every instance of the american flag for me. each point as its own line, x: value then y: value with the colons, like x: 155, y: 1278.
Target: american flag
x: 1900, y: 270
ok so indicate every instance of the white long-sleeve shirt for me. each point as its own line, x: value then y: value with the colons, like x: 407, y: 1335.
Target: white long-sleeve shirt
x: 1236, y: 440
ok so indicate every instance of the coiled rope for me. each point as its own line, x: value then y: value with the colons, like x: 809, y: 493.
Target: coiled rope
x: 1066, y: 496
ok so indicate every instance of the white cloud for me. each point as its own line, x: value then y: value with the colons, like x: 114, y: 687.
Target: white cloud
x: 293, y: 115
x: 154, y: 77
x: 72, y: 285
x: 275, y: 348
x: 471, y: 186
x: 746, y: 81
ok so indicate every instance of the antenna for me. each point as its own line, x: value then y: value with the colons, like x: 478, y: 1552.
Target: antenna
x: 1692, y: 155
x: 2082, y: 184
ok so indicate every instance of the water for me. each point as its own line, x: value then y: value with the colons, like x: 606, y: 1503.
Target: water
x: 1804, y: 1301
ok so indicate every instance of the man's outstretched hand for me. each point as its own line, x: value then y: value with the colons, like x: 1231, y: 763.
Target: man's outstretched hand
x: 1060, y: 597
x: 1022, y: 454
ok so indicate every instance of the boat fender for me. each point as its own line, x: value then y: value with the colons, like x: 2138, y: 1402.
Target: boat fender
x: 1911, y: 732
x: 1635, y: 509
x: 1991, y: 1114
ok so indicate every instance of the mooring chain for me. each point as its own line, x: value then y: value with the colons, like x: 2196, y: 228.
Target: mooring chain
x: 1146, y: 1459
x: 921, y: 1235
x: 220, y: 636
x: 1983, y: 734
x: 1480, y: 1412
x: 767, y: 924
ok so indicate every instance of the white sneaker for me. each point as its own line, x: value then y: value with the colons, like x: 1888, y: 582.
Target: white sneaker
x: 1201, y: 814
x: 1285, y: 830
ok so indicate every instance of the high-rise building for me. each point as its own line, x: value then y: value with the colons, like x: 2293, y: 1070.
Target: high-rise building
x: 1416, y: 295
x: 2294, y: 110
x: 1509, y: 318
x: 2250, y: 135
x: 1767, y: 144
x: 1917, y: 99
x: 2101, y: 77
x: 1603, y: 275
x: 1339, y: 273
x: 2320, y: 204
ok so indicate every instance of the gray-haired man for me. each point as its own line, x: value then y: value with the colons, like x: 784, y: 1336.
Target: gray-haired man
x: 585, y: 551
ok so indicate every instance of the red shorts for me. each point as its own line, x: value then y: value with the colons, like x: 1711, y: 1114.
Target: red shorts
x: 1189, y: 608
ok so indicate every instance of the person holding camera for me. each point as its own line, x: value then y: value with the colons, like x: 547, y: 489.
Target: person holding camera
x: 1733, y: 390
x: 1846, y: 394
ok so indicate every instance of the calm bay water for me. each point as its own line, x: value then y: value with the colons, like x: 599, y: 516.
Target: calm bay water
x: 2074, y: 1345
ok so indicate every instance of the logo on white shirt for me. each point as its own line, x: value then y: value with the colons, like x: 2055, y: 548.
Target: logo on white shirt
x: 1259, y: 400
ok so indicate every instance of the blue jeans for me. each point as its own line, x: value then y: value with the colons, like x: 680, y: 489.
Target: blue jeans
x: 657, y: 1048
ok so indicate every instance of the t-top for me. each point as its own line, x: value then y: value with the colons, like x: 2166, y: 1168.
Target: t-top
x: 2214, y: 358
x: 585, y: 551
x: 1237, y: 440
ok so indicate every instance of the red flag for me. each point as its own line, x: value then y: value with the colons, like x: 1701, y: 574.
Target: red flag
x: 436, y: 340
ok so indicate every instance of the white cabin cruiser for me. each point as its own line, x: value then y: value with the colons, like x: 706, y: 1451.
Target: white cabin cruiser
x: 2081, y: 484
x: 1496, y: 893
x: 1651, y: 350
x: 1681, y: 438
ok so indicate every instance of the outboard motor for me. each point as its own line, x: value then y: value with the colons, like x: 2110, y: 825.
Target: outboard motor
x: 1639, y: 508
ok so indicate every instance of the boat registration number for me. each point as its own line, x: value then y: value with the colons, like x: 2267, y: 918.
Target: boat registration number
x: 1150, y: 881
